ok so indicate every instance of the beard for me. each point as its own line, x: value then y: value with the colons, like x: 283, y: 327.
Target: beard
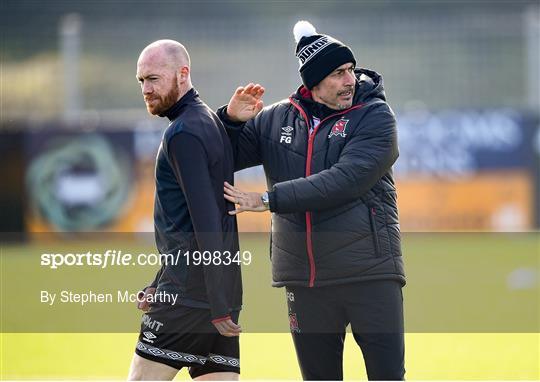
x: 164, y: 102
x: 347, y: 104
x: 343, y: 106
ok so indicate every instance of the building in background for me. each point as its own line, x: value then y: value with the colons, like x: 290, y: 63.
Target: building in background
x: 462, y: 77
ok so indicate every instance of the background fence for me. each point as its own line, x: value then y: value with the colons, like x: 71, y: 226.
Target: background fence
x: 463, y: 78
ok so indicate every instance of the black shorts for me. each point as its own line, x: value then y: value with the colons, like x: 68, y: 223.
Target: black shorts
x: 181, y: 336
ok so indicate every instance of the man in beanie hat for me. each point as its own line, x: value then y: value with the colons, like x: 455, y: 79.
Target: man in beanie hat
x: 318, y: 54
x: 327, y: 153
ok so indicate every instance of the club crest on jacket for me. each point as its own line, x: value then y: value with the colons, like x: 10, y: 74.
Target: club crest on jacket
x: 339, y: 128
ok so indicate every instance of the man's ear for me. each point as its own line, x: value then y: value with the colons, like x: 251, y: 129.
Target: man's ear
x: 184, y: 74
x: 315, y: 89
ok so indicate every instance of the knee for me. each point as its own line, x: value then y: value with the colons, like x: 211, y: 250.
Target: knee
x: 135, y: 374
x: 136, y: 371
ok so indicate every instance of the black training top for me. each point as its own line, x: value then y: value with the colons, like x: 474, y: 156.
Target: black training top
x: 190, y: 214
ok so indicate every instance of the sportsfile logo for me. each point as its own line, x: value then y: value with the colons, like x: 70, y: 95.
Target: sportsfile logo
x: 286, y: 135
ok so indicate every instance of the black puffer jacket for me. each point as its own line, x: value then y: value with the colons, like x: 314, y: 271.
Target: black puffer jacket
x: 333, y: 197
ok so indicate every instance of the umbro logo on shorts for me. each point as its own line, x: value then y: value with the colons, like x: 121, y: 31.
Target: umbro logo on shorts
x: 149, y: 337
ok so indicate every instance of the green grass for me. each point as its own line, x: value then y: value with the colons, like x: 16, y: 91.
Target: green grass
x: 429, y: 356
x: 465, y: 319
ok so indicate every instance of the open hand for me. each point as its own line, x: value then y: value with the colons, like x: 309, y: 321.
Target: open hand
x: 246, y: 201
x: 245, y: 103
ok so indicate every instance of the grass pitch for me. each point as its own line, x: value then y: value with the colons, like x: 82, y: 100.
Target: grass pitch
x: 471, y: 309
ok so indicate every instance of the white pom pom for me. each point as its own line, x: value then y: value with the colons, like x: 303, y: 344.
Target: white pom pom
x: 303, y: 29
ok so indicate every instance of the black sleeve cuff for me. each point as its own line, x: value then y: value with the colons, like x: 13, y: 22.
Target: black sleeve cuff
x: 222, y: 114
x: 272, y: 201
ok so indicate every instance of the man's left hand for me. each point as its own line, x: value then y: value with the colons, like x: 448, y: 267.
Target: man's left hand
x: 246, y: 201
x: 143, y: 303
x: 228, y: 328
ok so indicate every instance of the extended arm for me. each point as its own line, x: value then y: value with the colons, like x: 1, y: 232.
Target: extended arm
x: 238, y: 117
x: 366, y: 157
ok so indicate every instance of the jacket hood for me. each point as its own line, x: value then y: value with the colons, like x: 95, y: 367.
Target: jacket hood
x: 369, y: 84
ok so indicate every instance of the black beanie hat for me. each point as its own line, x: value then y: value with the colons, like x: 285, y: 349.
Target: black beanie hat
x: 319, y: 54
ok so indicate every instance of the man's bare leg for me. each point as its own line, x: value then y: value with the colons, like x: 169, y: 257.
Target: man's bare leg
x: 143, y: 369
x: 221, y: 376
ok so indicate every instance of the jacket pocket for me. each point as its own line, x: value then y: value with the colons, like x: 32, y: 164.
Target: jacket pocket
x: 374, y: 232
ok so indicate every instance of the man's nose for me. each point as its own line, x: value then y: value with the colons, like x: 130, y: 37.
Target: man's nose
x: 350, y: 79
x: 147, y: 88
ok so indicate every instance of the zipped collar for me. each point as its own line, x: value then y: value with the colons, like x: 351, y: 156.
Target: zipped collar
x: 312, y: 107
x: 174, y: 111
